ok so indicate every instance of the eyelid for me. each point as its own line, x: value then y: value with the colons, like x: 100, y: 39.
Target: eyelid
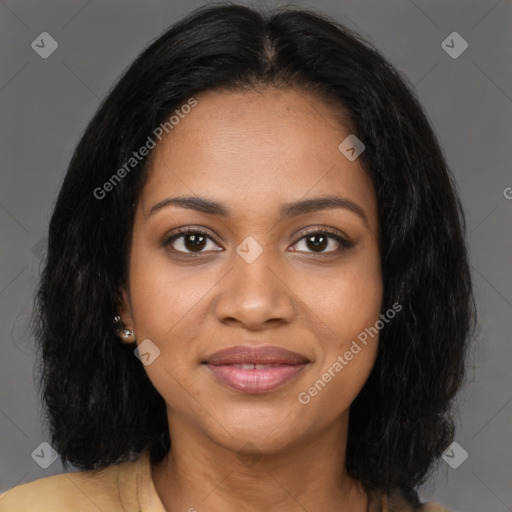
x: 191, y: 229
x: 340, y: 237
x: 181, y: 232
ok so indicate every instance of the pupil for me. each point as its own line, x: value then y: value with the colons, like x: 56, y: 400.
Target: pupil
x: 321, y: 245
x: 197, y: 242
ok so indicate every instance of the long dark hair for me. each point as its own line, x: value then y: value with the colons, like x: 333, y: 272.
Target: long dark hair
x: 101, y: 406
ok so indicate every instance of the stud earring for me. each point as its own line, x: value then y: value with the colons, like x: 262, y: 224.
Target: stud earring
x: 127, y: 333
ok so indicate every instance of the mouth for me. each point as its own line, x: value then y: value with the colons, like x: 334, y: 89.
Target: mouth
x: 255, y: 370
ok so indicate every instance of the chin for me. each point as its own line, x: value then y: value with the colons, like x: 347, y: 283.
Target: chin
x: 269, y: 428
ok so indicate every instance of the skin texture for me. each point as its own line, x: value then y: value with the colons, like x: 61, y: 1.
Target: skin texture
x: 254, y: 151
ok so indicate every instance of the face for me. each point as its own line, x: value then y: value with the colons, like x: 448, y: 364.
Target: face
x: 257, y: 274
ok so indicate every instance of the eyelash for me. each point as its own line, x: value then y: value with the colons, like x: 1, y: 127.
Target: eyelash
x: 343, y: 243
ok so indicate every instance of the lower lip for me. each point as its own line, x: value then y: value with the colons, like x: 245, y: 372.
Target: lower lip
x: 256, y: 380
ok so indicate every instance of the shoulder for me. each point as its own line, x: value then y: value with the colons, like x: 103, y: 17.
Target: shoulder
x: 401, y: 500
x: 81, y: 491
x: 433, y: 507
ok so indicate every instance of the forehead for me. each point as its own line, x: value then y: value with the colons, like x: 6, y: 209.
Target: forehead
x: 254, y: 151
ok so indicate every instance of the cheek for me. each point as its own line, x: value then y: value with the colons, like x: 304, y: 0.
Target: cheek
x: 349, y: 299
x: 162, y: 295
x: 348, y: 310
x: 165, y: 302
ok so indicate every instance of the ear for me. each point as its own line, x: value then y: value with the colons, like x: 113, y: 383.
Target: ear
x: 124, y: 310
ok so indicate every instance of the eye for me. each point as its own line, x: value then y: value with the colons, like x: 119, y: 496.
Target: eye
x: 194, y: 240
x: 189, y: 241
x: 320, y: 239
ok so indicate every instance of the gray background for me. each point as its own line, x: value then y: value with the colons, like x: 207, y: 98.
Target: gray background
x: 46, y: 103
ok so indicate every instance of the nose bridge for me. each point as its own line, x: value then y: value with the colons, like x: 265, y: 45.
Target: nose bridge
x: 253, y: 291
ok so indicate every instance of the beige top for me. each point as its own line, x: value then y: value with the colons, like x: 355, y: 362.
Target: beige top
x: 124, y: 487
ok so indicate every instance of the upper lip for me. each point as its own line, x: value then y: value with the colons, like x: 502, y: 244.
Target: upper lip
x: 242, y: 354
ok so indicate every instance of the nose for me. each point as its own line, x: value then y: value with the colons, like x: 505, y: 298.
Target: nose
x: 256, y: 294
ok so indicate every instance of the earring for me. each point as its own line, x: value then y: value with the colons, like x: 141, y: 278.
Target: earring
x: 127, y: 333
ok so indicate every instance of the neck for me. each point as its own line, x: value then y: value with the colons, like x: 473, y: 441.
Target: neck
x: 199, y: 474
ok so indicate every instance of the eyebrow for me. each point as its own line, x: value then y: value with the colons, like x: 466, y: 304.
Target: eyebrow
x: 287, y: 210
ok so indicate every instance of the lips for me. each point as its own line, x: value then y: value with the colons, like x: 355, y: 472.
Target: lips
x: 255, y: 370
x: 255, y: 355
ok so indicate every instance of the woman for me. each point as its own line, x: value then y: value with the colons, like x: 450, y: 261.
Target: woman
x: 256, y: 294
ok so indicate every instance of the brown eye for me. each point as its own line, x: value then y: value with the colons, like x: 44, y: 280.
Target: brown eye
x: 193, y: 242
x: 319, y: 240
x: 189, y: 241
